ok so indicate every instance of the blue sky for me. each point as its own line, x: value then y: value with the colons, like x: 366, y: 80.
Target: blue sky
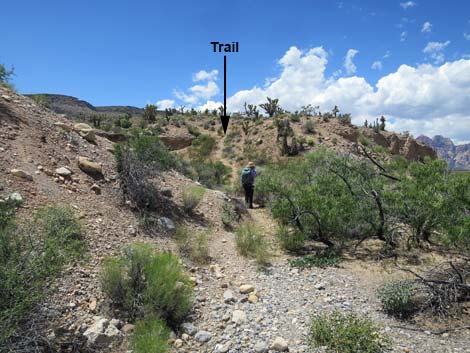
x: 138, y: 52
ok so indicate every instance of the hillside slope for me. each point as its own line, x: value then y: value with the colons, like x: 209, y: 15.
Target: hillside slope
x: 225, y: 318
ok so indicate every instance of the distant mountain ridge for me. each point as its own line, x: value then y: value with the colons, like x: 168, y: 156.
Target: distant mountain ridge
x: 456, y: 156
x: 77, y: 108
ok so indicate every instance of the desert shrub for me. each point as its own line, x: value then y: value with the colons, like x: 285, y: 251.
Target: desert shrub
x: 310, y: 141
x: 5, y: 76
x: 150, y: 113
x: 195, y: 248
x: 397, y: 298
x: 142, y: 158
x: 250, y: 242
x: 364, y: 140
x: 295, y: 118
x: 202, y: 146
x: 255, y: 154
x: 150, y: 336
x: 229, y: 215
x: 192, y: 195
x: 30, y: 256
x: 141, y: 283
x: 321, y: 258
x: 211, y: 174
x: 347, y: 333
x: 193, y: 130
x: 290, y: 239
x: 308, y: 127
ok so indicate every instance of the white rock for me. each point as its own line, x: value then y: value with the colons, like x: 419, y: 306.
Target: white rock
x: 228, y: 296
x: 246, y: 288
x: 238, y: 317
x: 62, y: 171
x: 279, y: 345
x: 19, y: 173
x: 260, y: 347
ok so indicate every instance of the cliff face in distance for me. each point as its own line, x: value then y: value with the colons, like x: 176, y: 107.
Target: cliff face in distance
x: 456, y: 156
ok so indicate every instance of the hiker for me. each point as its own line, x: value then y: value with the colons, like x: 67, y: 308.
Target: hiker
x: 248, y: 182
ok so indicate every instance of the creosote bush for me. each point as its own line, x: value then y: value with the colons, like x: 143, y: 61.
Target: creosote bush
x: 30, y: 255
x: 397, y: 298
x: 144, y: 283
x: 150, y: 336
x: 195, y: 248
x: 347, y: 333
x: 250, y: 242
x: 290, y: 239
x: 192, y: 196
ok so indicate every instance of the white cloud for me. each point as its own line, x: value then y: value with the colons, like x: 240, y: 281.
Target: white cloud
x: 377, y: 65
x: 165, y: 103
x: 200, y: 92
x: 211, y: 105
x: 427, y: 27
x: 435, y: 51
x: 466, y: 35
x: 403, y: 36
x: 348, y: 61
x: 423, y: 99
x: 205, y: 75
x: 387, y: 54
x: 407, y: 4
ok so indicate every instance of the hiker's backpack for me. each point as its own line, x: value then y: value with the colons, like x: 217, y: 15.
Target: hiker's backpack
x: 246, y: 176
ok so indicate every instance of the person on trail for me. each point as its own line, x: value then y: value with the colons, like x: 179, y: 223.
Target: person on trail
x: 248, y: 182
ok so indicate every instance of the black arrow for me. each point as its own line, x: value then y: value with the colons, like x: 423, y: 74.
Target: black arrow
x: 225, y: 118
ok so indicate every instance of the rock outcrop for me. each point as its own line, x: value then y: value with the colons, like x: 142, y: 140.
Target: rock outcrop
x: 456, y: 156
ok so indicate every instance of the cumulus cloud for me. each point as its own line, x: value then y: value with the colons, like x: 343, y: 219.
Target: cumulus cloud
x: 435, y: 51
x: 425, y: 99
x: 427, y: 27
x: 407, y: 4
x: 200, y: 92
x: 348, y: 61
x: 165, y: 103
x: 403, y: 36
x: 377, y: 65
x: 210, y: 105
x: 206, y: 75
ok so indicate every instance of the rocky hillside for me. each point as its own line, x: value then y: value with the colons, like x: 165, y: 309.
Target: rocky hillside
x: 76, y: 108
x: 47, y: 159
x: 456, y: 156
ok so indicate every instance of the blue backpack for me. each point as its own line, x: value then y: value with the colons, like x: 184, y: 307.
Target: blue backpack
x: 246, y: 176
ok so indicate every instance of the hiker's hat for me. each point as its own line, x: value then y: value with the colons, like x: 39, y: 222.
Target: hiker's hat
x: 251, y: 165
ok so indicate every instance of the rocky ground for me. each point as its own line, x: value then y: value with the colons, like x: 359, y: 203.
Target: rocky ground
x: 238, y: 308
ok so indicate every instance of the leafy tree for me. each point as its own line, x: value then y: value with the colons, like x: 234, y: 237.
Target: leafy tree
x: 5, y: 74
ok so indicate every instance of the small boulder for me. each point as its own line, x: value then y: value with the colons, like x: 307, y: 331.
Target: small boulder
x: 228, y: 296
x: 252, y: 298
x: 16, y: 198
x: 246, y: 288
x: 203, y: 336
x: 82, y: 126
x: 280, y: 345
x: 189, y: 328
x: 19, y: 173
x: 127, y: 329
x: 90, y: 167
x: 96, y: 189
x: 167, y: 224
x: 101, y: 333
x: 63, y: 126
x: 88, y: 134
x: 63, y: 171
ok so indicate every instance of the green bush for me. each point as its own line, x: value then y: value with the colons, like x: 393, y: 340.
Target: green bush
x: 250, y: 242
x: 193, y: 130
x: 31, y: 255
x: 142, y: 283
x: 202, y: 146
x: 192, y: 195
x: 150, y: 336
x: 397, y: 298
x: 347, y: 333
x: 290, y: 240
x: 322, y: 259
x: 211, y: 174
x: 195, y: 248
x: 308, y: 127
x: 310, y: 141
